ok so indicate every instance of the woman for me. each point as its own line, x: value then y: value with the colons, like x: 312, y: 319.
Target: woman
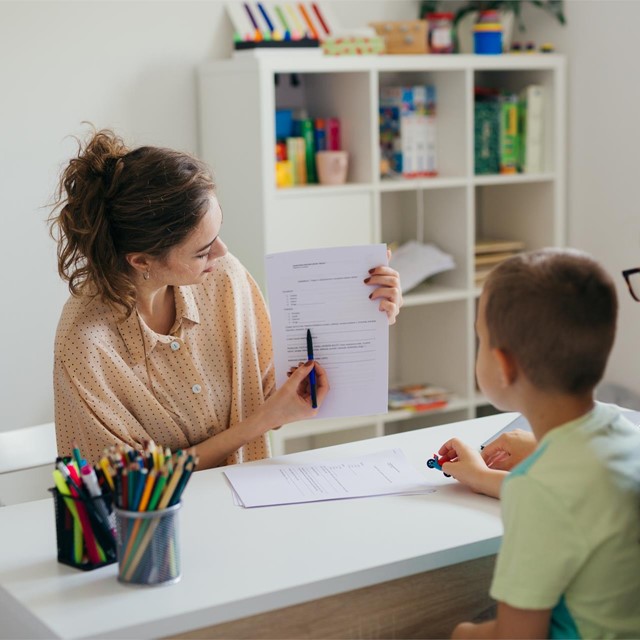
x: 165, y: 336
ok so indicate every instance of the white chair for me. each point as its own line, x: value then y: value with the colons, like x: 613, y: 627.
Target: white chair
x: 27, y: 458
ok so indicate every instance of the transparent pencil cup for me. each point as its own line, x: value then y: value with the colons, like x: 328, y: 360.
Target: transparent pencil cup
x: 148, y: 546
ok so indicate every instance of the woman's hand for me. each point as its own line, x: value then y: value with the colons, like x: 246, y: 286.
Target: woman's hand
x: 468, y: 467
x: 292, y: 401
x: 388, y: 291
x: 509, y: 449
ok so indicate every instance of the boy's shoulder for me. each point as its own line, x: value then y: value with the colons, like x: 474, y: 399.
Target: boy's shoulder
x: 599, y: 449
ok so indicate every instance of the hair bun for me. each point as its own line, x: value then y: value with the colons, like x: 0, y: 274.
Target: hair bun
x: 109, y: 169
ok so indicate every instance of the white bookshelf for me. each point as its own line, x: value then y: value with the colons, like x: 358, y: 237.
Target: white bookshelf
x: 433, y: 340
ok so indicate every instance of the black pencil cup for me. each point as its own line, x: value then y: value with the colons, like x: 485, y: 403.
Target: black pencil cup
x: 85, y: 530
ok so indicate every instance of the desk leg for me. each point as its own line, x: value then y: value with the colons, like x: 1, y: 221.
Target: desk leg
x: 426, y: 605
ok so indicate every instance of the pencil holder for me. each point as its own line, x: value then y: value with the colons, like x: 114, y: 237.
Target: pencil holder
x: 84, y: 530
x: 148, y: 546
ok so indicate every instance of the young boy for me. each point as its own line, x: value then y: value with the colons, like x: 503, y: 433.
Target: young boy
x: 569, y: 564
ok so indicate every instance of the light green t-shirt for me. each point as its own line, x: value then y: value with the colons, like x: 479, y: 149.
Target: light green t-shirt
x: 571, y: 542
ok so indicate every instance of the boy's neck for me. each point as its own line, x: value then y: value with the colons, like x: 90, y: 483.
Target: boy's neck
x: 546, y: 411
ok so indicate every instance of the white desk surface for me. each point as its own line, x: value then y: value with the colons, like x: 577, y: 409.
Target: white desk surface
x: 239, y: 562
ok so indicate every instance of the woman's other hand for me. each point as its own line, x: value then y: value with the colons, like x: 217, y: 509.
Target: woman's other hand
x: 509, y: 449
x: 388, y: 290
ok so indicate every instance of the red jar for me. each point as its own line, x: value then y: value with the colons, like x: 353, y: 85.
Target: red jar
x: 440, y: 32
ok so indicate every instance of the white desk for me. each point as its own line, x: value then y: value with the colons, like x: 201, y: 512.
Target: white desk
x: 240, y: 562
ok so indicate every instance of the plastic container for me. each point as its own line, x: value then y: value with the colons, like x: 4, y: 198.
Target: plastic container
x: 440, y: 32
x: 487, y: 38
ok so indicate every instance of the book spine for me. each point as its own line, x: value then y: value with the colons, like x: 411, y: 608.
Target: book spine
x: 291, y: 157
x: 533, y: 122
x: 333, y: 134
x: 310, y: 152
x: 509, y: 134
x: 320, y: 134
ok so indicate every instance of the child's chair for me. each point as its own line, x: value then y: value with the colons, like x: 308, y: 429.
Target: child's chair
x: 27, y: 458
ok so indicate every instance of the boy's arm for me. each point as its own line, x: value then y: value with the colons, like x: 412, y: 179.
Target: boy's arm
x: 510, y: 623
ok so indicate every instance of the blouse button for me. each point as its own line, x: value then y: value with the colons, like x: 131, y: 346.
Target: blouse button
x: 175, y: 345
x: 196, y: 388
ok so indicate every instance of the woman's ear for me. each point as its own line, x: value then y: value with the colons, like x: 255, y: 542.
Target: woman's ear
x: 507, y: 366
x: 140, y: 262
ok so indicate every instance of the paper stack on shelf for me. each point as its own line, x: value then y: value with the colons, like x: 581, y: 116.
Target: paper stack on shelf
x: 418, y: 397
x: 490, y: 253
x: 415, y: 262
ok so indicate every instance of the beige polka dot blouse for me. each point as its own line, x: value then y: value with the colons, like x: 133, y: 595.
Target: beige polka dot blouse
x: 117, y: 380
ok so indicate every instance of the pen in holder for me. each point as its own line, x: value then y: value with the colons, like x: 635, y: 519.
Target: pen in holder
x: 148, y: 546
x: 84, y: 530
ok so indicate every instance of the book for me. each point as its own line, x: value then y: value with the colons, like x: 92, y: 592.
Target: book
x: 296, y: 154
x: 488, y: 245
x: 310, y: 154
x: 531, y: 117
x: 418, y: 397
x: 509, y: 134
x: 486, y: 131
x: 491, y: 259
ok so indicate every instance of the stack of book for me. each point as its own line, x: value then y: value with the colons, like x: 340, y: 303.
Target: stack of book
x: 418, y: 397
x: 490, y: 253
x: 508, y: 131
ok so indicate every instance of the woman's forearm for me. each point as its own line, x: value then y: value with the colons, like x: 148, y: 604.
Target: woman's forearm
x: 214, y: 451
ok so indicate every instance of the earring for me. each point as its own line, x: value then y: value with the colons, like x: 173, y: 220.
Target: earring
x: 146, y: 275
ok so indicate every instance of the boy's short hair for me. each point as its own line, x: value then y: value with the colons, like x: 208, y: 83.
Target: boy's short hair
x: 555, y: 311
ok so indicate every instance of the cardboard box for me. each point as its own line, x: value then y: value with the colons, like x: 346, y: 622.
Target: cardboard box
x: 406, y: 36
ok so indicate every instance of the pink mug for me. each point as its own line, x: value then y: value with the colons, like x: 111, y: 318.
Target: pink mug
x: 332, y: 166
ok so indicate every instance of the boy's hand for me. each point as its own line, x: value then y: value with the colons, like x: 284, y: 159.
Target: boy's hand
x: 509, y: 449
x: 467, y: 466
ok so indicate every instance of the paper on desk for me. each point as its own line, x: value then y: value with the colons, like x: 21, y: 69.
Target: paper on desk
x: 415, y: 262
x: 323, y: 290
x: 376, y: 474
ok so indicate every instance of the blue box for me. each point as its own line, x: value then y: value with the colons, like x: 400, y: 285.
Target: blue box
x: 284, y: 123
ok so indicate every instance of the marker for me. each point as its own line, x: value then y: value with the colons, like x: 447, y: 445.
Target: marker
x: 266, y: 17
x: 253, y: 20
x: 76, y: 456
x: 90, y: 481
x: 312, y: 30
x: 312, y: 375
x: 316, y: 10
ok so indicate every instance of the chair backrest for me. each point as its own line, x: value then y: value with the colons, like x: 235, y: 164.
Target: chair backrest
x: 27, y: 457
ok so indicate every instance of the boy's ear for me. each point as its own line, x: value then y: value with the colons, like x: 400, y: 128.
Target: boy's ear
x: 506, y: 365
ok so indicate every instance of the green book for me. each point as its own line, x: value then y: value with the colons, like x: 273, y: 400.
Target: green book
x: 509, y: 134
x: 306, y: 130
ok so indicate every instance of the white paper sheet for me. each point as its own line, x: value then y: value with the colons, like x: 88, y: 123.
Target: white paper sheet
x: 415, y: 262
x: 382, y: 473
x: 323, y: 290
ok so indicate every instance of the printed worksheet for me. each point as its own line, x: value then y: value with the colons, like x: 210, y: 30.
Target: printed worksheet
x: 382, y: 473
x: 323, y: 290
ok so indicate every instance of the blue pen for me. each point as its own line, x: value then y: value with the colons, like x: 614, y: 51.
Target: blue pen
x: 312, y: 375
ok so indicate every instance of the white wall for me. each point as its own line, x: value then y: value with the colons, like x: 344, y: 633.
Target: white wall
x: 131, y: 66
x: 125, y: 65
